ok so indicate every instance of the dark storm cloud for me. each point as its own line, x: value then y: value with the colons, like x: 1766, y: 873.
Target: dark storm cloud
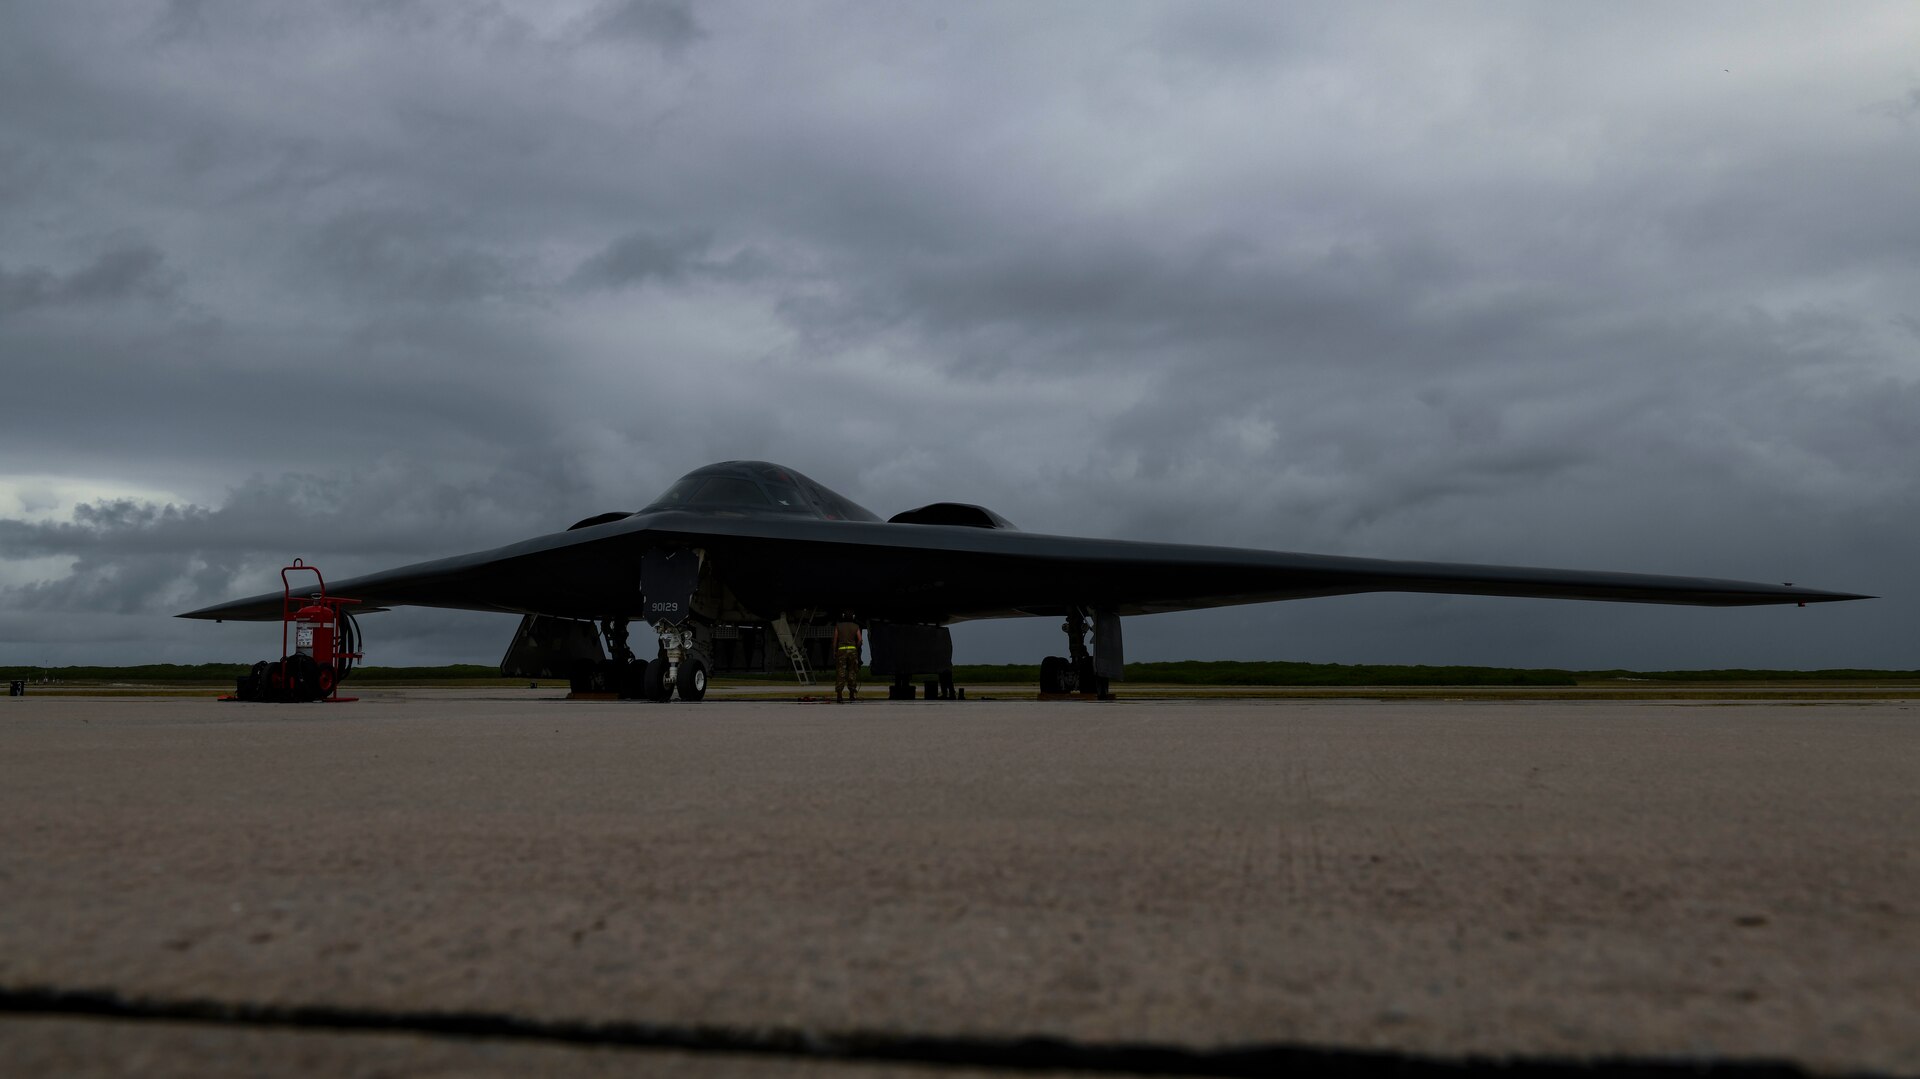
x: 132, y: 272
x: 668, y: 24
x: 1630, y: 289
x: 1900, y: 108
x: 638, y: 256
x: 398, y: 255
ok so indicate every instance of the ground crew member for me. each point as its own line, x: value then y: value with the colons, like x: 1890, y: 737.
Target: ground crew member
x: 846, y: 657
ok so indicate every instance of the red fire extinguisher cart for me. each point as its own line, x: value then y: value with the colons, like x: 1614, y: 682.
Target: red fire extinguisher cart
x: 319, y: 645
x: 319, y: 641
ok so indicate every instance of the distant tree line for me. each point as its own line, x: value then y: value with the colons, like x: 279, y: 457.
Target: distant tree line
x: 1194, y: 672
x: 1743, y: 674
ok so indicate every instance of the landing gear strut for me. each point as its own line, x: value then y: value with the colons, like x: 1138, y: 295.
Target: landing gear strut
x: 1080, y: 670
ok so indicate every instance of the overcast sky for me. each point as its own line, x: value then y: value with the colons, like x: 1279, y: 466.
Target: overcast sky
x: 1623, y: 286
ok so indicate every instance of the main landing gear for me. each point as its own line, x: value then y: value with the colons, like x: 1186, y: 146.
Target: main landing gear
x: 678, y: 667
x: 1081, y: 671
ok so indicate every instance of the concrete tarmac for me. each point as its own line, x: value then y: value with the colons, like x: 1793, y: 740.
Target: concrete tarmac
x: 1720, y: 883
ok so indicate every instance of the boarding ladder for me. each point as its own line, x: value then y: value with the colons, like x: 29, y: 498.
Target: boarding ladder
x: 795, y: 653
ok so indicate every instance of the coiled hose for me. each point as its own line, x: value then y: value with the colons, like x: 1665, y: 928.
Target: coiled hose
x: 346, y: 647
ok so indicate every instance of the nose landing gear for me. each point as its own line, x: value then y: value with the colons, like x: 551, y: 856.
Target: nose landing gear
x: 679, y: 665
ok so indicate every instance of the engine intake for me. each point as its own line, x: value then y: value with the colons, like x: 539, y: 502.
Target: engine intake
x: 953, y: 513
x: 600, y: 519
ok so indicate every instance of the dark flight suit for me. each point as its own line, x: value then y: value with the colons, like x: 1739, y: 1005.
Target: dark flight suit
x: 846, y: 659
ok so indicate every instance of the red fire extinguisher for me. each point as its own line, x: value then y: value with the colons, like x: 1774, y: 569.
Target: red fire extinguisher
x: 319, y: 641
x: 315, y: 635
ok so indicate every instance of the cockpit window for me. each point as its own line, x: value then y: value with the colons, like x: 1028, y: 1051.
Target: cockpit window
x: 728, y: 491
x: 756, y: 486
x: 835, y: 508
x: 787, y: 498
x: 678, y: 494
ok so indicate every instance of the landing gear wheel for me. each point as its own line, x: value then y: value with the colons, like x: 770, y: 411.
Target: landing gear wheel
x: 693, y: 679
x: 303, y: 678
x: 653, y: 682
x: 253, y: 687
x: 1052, y: 671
